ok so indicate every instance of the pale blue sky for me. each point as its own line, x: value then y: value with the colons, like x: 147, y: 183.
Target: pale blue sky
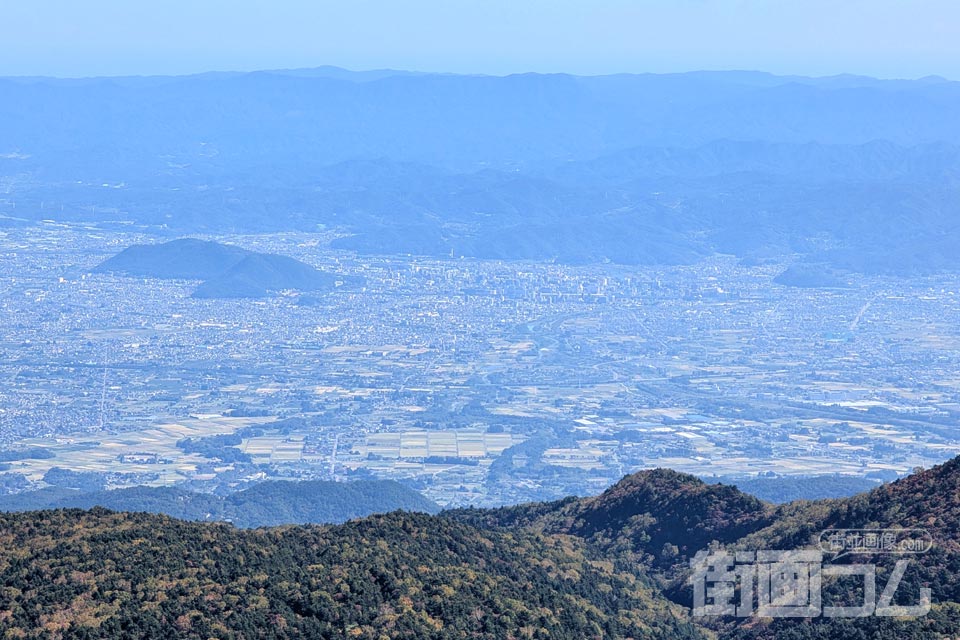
x: 885, y: 38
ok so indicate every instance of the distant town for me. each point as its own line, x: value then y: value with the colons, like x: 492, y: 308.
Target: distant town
x: 476, y: 382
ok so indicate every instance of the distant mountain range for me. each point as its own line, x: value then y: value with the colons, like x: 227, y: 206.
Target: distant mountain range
x: 612, y: 566
x: 856, y: 173
x: 264, y: 504
x: 227, y: 271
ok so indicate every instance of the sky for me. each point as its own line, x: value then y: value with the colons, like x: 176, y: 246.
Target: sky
x: 882, y: 38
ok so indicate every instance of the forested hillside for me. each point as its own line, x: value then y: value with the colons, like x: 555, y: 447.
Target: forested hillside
x: 96, y: 574
x: 612, y: 566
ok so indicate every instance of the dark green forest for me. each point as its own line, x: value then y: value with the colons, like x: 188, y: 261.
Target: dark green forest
x: 98, y: 574
x: 610, y: 566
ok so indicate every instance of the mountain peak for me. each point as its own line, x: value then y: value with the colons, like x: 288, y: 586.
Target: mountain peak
x: 659, y: 507
x: 227, y: 271
x: 181, y: 259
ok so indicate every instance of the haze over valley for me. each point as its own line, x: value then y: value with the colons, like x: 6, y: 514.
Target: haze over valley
x: 382, y: 354
x: 493, y: 289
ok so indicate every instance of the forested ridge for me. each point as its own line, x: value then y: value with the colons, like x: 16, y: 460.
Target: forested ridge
x: 655, y: 521
x: 98, y: 574
x: 611, y: 566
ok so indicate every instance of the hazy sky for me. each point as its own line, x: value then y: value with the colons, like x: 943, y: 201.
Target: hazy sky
x: 886, y: 38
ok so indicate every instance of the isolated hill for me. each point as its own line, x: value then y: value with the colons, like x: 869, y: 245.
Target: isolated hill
x: 183, y: 259
x: 259, y: 273
x: 265, y: 504
x: 227, y: 271
x: 809, y: 276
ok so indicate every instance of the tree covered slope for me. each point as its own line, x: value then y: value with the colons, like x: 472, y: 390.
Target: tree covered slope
x: 611, y: 566
x: 97, y: 574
